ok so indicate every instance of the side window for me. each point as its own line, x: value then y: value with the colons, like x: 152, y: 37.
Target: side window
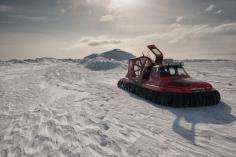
x: 181, y: 71
x: 154, y: 72
x: 164, y: 72
x: 172, y: 71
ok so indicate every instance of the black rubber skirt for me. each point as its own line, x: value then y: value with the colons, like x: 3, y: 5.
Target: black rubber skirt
x: 194, y: 99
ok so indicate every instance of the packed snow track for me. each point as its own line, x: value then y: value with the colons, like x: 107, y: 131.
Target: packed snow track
x: 62, y: 109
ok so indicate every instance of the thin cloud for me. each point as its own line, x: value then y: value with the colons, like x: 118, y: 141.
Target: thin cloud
x: 105, y: 42
x: 177, y: 34
x: 5, y: 8
x: 93, y: 1
x: 94, y: 41
x: 219, y: 12
x: 225, y: 28
x: 178, y: 19
x: 210, y: 8
x: 85, y: 40
x: 32, y: 18
x: 106, y: 18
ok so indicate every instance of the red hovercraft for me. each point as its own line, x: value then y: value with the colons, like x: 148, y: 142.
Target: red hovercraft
x: 166, y: 83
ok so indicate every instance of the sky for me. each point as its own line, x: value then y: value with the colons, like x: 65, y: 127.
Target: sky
x: 182, y: 29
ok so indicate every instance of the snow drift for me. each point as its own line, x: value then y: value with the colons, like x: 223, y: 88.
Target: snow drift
x: 101, y: 63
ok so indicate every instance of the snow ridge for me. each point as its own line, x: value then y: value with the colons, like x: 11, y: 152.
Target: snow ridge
x: 43, y: 60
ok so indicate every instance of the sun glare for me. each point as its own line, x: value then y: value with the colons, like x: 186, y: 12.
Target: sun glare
x: 118, y: 4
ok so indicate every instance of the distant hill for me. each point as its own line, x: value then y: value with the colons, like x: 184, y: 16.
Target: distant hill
x: 115, y: 54
x: 106, y: 60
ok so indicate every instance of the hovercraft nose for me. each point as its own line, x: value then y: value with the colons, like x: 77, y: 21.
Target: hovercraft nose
x: 190, y: 84
x: 201, y: 87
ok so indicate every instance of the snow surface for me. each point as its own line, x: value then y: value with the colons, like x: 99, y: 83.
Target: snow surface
x: 61, y: 108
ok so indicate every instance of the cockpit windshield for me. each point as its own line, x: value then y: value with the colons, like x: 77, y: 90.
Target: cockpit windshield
x: 172, y: 71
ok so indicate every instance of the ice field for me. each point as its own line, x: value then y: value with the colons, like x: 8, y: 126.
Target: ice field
x: 62, y: 108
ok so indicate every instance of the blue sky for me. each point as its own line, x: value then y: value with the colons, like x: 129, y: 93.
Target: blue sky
x: 76, y: 28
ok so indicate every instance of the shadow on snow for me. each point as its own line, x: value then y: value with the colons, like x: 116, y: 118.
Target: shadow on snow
x: 217, y: 114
